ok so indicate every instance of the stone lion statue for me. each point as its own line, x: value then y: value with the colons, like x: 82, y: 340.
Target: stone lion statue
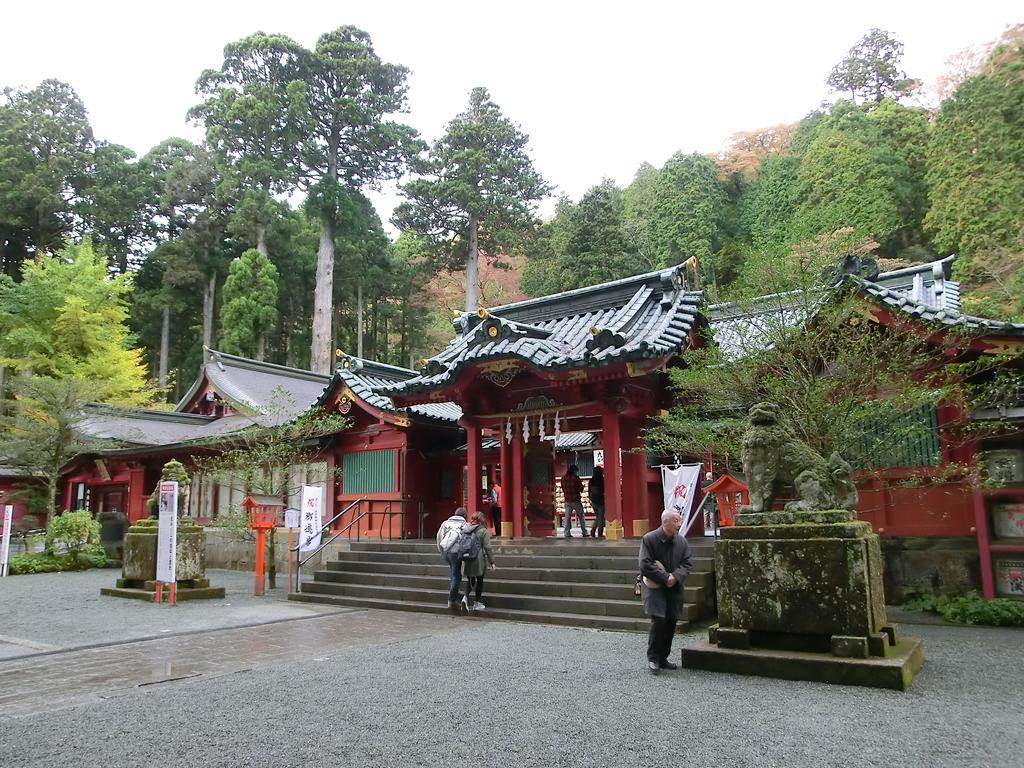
x: 772, y: 456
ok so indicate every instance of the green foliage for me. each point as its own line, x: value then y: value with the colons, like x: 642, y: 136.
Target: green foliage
x: 476, y: 189
x: 969, y: 609
x: 249, y: 311
x: 45, y: 153
x: 93, y: 556
x: 871, y: 69
x: 67, y: 318
x: 584, y: 244
x: 73, y: 530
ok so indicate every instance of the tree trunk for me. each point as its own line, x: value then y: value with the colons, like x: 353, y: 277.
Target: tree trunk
x: 323, y: 293
x: 472, y: 272
x: 261, y: 346
x: 359, y: 319
x: 208, y: 297
x: 165, y: 343
x: 3, y: 389
x: 272, y: 559
x: 261, y: 239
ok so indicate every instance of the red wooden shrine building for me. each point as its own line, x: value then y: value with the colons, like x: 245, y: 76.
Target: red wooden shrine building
x: 520, y: 392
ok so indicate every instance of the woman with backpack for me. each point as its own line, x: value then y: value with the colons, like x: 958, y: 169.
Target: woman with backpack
x: 484, y: 561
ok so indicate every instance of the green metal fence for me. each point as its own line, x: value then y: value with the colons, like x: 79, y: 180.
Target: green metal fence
x: 905, y: 440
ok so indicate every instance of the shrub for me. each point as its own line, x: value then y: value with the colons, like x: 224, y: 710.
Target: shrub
x: 92, y: 556
x: 970, y: 608
x: 72, y: 529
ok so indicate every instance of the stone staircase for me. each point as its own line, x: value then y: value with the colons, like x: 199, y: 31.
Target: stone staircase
x: 581, y: 583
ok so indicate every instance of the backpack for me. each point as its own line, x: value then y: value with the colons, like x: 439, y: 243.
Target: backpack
x: 450, y: 536
x: 467, y: 545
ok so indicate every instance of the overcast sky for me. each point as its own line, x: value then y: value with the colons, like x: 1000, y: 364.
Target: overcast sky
x: 599, y: 87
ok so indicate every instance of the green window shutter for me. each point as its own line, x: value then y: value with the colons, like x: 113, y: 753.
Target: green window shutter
x: 369, y: 472
x: 909, y: 440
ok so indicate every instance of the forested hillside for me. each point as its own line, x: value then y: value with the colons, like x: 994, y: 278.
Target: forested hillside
x: 260, y: 240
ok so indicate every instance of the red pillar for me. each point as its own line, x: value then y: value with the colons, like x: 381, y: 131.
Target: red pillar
x: 611, y: 442
x: 516, y: 487
x: 635, y: 507
x: 505, y: 465
x: 136, y: 504
x: 472, y: 465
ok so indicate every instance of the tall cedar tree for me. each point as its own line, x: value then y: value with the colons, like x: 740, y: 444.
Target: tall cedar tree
x: 252, y: 127
x: 870, y: 71
x: 477, y: 188
x: 348, y: 144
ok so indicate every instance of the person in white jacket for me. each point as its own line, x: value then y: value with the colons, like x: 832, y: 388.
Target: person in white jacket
x: 447, y: 535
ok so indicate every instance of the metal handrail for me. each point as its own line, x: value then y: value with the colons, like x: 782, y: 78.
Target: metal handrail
x: 368, y: 513
x: 299, y: 562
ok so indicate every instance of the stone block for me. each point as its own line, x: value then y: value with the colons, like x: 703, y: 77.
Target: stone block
x: 847, y: 647
x: 878, y: 644
x: 733, y: 638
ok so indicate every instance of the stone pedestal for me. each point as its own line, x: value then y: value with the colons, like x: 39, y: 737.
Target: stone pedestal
x: 138, y: 573
x: 803, y: 583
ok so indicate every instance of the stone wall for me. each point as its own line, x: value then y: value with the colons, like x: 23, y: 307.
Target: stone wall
x: 937, y: 564
x: 227, y: 549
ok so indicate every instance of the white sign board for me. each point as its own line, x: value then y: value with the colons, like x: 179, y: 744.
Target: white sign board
x: 5, y: 539
x: 599, y: 457
x: 167, y: 534
x: 291, y: 518
x: 310, y: 522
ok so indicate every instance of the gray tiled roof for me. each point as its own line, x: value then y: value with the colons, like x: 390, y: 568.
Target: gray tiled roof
x: 273, y: 394
x: 364, y: 376
x: 921, y: 291
x: 642, y: 317
x: 140, y: 427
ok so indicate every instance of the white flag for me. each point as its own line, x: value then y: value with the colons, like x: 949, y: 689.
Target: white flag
x: 311, y: 522
x: 679, y: 486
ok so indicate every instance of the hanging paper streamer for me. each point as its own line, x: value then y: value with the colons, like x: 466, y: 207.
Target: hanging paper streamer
x: 540, y: 427
x: 558, y: 425
x: 508, y: 431
x: 526, y: 429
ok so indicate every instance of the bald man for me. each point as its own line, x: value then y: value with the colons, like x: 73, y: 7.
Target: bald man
x: 664, y: 562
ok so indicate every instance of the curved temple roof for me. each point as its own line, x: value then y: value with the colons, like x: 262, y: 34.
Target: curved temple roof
x: 643, y: 317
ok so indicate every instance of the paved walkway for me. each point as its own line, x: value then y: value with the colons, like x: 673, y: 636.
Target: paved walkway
x: 387, y: 688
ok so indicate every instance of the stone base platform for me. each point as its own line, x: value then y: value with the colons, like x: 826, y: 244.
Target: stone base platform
x: 192, y: 589
x: 895, y: 671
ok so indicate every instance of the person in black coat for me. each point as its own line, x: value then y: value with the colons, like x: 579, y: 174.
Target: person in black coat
x: 664, y: 563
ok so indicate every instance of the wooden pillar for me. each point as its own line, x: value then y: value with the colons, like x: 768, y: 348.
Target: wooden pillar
x: 505, y: 466
x: 136, y: 505
x: 473, y: 451
x: 635, y: 507
x: 611, y: 443
x: 516, y: 487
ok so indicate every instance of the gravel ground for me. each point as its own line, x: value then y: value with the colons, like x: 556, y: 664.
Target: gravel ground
x: 45, y: 611
x: 500, y: 694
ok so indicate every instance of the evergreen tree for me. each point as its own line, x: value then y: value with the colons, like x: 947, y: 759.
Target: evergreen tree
x: 476, y: 190
x: 249, y: 311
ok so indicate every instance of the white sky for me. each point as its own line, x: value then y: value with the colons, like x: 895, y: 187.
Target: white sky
x: 599, y: 87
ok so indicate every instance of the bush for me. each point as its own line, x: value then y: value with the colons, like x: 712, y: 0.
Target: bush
x: 74, y: 530
x: 970, y: 608
x: 92, y: 556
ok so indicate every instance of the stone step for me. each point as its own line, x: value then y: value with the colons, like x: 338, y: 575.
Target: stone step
x: 617, y: 623
x: 568, y: 562
x: 631, y: 608
x: 558, y: 576
x: 498, y: 585
x: 548, y: 547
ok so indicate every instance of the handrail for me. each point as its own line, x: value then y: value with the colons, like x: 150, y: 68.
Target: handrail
x: 368, y: 513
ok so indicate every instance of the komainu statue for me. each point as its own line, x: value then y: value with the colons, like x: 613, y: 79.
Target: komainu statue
x: 772, y: 456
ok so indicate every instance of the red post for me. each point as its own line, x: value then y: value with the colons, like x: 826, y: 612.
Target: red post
x: 611, y: 443
x: 514, y: 485
x: 472, y: 465
x: 505, y: 467
x: 260, y: 557
x: 634, y: 505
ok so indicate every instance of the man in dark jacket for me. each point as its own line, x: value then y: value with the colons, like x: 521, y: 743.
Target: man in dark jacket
x: 664, y: 563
